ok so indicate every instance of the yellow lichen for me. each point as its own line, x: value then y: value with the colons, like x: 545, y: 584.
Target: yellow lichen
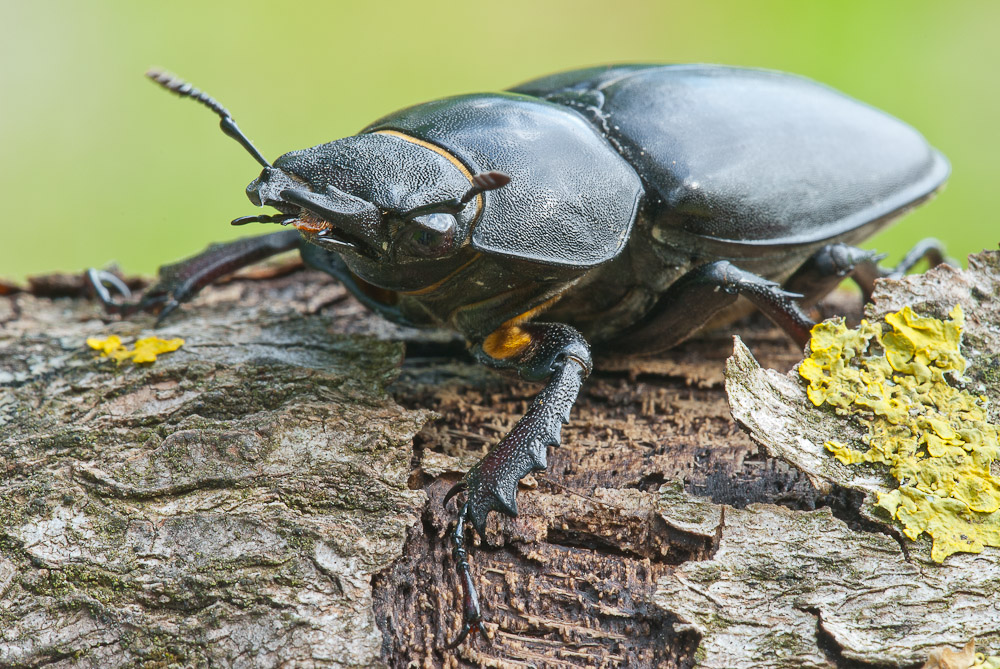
x: 145, y: 350
x: 934, y: 437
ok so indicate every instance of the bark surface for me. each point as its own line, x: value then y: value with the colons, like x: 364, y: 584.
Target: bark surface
x: 874, y: 595
x: 270, y: 495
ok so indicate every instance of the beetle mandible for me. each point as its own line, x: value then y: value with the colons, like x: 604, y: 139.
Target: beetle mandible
x: 625, y: 205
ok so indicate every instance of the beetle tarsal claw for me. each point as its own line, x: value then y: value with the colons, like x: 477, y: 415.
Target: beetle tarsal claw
x: 100, y: 280
x: 181, y: 281
x: 471, y: 615
x: 461, y: 486
x: 467, y: 628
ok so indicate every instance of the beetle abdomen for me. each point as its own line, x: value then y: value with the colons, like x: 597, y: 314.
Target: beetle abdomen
x: 753, y: 157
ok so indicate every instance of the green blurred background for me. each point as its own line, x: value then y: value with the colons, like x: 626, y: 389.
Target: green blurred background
x: 99, y: 165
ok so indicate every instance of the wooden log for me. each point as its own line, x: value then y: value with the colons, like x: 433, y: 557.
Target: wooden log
x: 271, y: 494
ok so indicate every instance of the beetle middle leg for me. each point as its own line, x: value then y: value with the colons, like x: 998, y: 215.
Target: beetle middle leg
x: 550, y: 352
x: 828, y: 267
x: 181, y: 281
x: 691, y: 302
x: 833, y: 263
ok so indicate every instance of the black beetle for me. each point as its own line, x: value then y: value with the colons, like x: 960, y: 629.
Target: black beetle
x: 632, y: 205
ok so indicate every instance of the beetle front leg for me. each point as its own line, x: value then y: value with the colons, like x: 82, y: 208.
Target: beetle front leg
x: 181, y: 281
x: 536, y: 351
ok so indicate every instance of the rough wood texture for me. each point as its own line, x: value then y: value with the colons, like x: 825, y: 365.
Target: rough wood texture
x: 271, y: 493
x: 876, y: 597
x: 226, y: 505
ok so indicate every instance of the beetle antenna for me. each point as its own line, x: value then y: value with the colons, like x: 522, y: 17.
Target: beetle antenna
x: 481, y: 183
x: 185, y: 90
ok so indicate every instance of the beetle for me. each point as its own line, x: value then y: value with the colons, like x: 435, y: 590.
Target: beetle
x: 626, y: 206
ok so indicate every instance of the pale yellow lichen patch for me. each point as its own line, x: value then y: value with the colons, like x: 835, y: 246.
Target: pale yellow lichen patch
x: 145, y: 350
x: 967, y: 658
x: 933, y: 436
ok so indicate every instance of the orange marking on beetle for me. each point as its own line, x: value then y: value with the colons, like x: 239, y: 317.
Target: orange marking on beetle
x: 437, y: 284
x: 506, y: 342
x: 311, y: 224
x: 534, y: 311
x: 444, y: 153
x: 510, y: 339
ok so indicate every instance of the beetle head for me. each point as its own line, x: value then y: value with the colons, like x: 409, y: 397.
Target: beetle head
x: 399, y: 213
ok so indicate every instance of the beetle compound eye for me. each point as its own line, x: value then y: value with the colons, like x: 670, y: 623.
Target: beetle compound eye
x: 426, y: 243
x: 429, y: 236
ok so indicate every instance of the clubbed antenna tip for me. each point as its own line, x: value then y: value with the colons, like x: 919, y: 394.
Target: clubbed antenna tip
x: 182, y: 88
x: 481, y: 182
x: 175, y: 84
x: 485, y: 181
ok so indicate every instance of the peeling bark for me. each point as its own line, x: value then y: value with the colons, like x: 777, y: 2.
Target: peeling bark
x: 876, y: 595
x: 270, y: 494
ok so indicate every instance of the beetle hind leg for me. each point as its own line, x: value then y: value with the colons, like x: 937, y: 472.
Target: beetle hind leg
x: 550, y: 352
x: 693, y: 300
x: 181, y: 281
x: 929, y: 249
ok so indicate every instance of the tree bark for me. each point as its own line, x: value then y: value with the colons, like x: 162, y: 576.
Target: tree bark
x: 271, y: 495
x: 872, y: 594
